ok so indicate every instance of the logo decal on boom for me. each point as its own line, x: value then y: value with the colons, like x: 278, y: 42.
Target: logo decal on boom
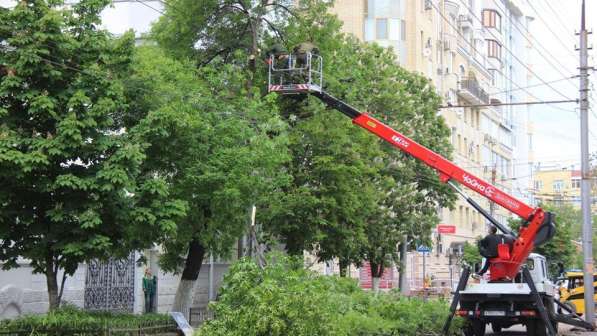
x: 473, y: 183
x: 400, y: 141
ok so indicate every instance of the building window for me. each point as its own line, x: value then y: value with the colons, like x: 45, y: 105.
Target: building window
x: 493, y: 73
x: 459, y: 144
x: 402, y: 30
x: 381, y: 29
x: 576, y: 184
x: 558, y: 185
x: 538, y: 185
x: 492, y: 19
x: 494, y: 49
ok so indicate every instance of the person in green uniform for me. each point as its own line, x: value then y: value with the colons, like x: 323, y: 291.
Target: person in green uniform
x: 149, y: 287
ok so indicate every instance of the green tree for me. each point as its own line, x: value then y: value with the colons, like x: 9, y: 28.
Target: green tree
x: 402, y: 193
x: 340, y: 176
x: 71, y: 176
x: 219, y: 148
x: 216, y: 30
x: 560, y: 248
x: 471, y: 255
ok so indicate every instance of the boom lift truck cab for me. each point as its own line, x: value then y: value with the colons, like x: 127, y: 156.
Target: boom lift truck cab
x: 518, y: 291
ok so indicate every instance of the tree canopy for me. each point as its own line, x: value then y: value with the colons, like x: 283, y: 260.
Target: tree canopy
x: 71, y: 175
x: 349, y: 196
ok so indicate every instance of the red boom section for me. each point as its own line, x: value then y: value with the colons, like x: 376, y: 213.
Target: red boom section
x: 523, y: 246
x: 447, y: 169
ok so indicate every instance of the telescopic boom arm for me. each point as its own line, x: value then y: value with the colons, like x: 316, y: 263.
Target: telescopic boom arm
x: 538, y: 226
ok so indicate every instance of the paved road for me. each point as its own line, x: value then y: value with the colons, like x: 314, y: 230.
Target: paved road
x: 519, y: 330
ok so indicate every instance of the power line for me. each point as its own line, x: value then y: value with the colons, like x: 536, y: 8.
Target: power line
x: 514, y: 104
x: 548, y: 26
x: 545, y: 50
x: 534, y: 85
x: 510, y: 52
x: 105, y: 76
x: 475, y: 49
x: 148, y: 6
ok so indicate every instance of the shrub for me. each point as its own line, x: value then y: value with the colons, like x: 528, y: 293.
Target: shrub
x: 286, y: 299
x: 69, y: 320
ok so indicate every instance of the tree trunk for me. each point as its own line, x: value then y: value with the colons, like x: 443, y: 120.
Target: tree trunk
x: 343, y: 264
x: 185, y: 291
x: 403, y: 267
x: 375, y: 284
x: 254, y: 53
x: 376, y: 272
x: 52, y: 283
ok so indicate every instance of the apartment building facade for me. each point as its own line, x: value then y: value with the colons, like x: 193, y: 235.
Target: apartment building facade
x: 474, y: 53
x: 561, y: 186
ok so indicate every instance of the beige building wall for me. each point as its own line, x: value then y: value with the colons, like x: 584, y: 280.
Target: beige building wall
x: 558, y: 185
x: 445, y: 43
x: 352, y: 13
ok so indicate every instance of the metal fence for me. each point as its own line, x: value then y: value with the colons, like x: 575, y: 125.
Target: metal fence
x: 198, y: 315
x: 160, y: 330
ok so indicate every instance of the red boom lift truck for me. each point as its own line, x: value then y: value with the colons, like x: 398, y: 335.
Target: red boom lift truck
x: 519, y: 291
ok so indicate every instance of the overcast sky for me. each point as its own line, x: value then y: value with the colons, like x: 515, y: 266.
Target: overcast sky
x: 557, y: 130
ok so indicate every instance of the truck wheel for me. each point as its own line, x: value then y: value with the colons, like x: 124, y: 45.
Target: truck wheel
x: 474, y: 328
x: 538, y: 328
x: 496, y: 327
x: 532, y: 328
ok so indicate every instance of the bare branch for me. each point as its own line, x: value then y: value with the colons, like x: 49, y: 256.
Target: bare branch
x: 288, y: 10
x: 276, y: 31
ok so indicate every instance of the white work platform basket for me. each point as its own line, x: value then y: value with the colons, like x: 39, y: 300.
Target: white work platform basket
x: 287, y: 76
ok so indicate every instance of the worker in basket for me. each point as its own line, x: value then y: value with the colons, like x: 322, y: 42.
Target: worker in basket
x: 301, y: 53
x: 493, y: 246
x: 279, y: 54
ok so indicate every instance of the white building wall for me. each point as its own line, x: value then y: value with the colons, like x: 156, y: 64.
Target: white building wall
x: 23, y: 292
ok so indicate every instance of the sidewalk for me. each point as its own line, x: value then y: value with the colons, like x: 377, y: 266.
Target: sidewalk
x: 570, y: 330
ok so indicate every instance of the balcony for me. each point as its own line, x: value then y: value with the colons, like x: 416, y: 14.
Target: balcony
x: 470, y: 90
x: 451, y: 8
x: 465, y: 21
x: 450, y: 42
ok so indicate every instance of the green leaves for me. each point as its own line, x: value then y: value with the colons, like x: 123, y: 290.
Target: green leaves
x: 213, y: 147
x: 286, y: 299
x: 71, y: 173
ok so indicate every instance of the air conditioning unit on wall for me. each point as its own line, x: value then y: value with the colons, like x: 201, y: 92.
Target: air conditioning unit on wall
x: 447, y: 44
x: 428, y: 4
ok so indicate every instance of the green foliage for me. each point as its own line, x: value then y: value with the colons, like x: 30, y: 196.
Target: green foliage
x: 70, y: 319
x: 342, y: 216
x: 471, y: 255
x: 340, y: 175
x: 219, y: 147
x: 285, y: 299
x: 71, y: 176
x: 560, y: 248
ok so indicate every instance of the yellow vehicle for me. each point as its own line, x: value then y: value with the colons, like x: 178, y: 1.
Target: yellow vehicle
x: 572, y: 291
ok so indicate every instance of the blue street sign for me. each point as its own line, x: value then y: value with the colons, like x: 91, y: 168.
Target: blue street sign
x: 423, y: 248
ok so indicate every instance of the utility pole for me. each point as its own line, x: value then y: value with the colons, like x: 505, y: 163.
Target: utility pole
x: 585, y: 186
x: 493, y: 178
